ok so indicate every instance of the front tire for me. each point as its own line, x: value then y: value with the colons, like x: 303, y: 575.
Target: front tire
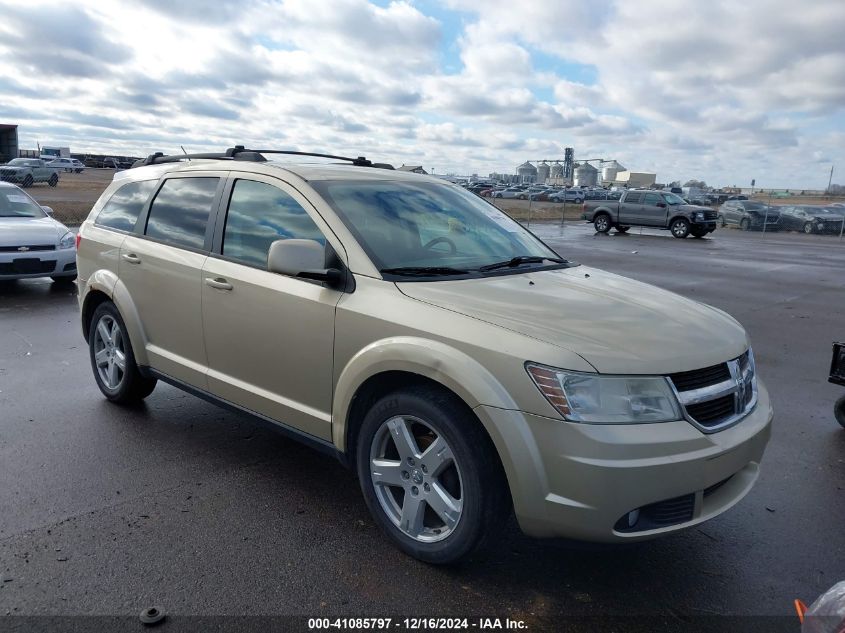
x: 808, y: 227
x: 680, y: 228
x: 113, y: 360
x: 745, y: 224
x: 602, y: 223
x: 430, y: 475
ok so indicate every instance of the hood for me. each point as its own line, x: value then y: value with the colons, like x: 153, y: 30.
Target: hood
x: 14, y: 167
x: 694, y: 207
x: 17, y: 231
x: 618, y: 325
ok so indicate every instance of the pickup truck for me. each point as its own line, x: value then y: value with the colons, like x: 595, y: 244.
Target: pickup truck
x: 26, y: 171
x: 656, y: 209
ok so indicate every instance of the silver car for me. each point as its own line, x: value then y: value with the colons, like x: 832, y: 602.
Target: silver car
x: 32, y: 244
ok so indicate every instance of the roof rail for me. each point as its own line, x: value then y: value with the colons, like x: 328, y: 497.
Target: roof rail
x: 239, y: 152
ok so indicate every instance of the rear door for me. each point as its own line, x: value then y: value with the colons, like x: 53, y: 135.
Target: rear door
x: 630, y: 208
x: 269, y: 337
x: 162, y: 271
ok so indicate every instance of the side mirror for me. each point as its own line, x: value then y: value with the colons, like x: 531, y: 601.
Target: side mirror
x: 47, y: 210
x: 662, y: 205
x: 302, y: 258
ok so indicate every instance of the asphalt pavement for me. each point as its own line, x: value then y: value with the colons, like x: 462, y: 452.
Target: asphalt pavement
x: 177, y: 503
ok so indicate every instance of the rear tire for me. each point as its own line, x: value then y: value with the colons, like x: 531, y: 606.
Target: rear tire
x: 744, y: 224
x: 430, y: 475
x: 602, y: 223
x: 680, y: 228
x: 839, y: 411
x: 113, y: 360
x: 808, y: 227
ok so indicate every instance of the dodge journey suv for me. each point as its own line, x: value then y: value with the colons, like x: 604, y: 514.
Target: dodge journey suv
x: 460, y: 366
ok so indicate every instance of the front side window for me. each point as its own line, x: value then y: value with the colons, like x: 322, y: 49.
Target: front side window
x: 428, y: 225
x: 259, y: 214
x: 652, y: 199
x: 124, y: 207
x: 179, y: 214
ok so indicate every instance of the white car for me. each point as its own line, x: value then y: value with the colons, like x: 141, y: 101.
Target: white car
x: 68, y: 164
x: 32, y: 244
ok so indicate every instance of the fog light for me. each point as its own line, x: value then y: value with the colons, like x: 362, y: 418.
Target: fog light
x: 633, y: 517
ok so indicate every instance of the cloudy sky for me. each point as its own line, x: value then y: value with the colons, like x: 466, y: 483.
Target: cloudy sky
x: 720, y: 90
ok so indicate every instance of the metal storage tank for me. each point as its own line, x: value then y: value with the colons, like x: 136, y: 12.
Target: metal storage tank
x: 609, y: 170
x: 543, y: 172
x: 526, y: 172
x: 556, y: 170
x: 586, y: 175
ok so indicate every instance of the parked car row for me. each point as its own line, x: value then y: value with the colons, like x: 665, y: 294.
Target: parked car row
x: 753, y: 215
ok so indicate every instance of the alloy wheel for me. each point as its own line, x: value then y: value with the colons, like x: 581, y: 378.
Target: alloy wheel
x: 416, y: 478
x: 109, y: 352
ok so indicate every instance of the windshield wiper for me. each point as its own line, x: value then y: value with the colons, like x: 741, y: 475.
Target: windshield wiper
x: 521, y: 259
x: 424, y: 271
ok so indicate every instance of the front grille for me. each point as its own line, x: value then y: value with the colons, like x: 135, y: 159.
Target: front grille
x: 716, y: 397
x: 711, y: 215
x: 696, y: 379
x: 661, y: 514
x: 28, y: 247
x: 712, y: 412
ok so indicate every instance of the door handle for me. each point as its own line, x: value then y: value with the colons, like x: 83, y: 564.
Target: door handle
x: 218, y: 282
x: 132, y: 258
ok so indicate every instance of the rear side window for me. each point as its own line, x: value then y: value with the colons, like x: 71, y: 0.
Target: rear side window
x: 259, y: 214
x: 124, y: 207
x: 179, y: 214
x: 634, y: 198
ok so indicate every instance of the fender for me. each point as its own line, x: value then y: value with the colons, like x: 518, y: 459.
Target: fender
x: 434, y: 360
x: 107, y: 282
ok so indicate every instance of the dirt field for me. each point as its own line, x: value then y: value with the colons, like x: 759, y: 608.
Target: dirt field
x: 75, y: 194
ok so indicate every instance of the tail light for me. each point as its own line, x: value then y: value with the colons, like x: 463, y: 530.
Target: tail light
x: 78, y: 240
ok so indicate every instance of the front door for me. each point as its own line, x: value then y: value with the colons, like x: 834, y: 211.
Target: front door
x: 651, y: 214
x: 269, y: 337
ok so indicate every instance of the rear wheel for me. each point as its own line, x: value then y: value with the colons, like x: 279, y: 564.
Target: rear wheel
x: 745, y: 224
x: 839, y: 411
x: 602, y: 223
x: 523, y: 198
x: 113, y: 360
x: 698, y: 231
x: 54, y: 180
x: 680, y: 228
x: 808, y: 227
x: 622, y: 229
x: 430, y: 475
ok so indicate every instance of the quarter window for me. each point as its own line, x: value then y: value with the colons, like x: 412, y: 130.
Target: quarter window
x: 259, y: 214
x: 179, y: 214
x: 124, y: 207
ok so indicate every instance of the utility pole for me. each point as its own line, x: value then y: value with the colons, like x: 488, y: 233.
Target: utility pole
x: 830, y: 180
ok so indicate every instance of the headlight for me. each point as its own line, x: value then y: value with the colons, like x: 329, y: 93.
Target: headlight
x: 68, y: 240
x: 597, y: 399
x: 699, y: 216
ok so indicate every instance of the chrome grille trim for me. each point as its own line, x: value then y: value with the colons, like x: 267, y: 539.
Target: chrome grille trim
x: 742, y: 386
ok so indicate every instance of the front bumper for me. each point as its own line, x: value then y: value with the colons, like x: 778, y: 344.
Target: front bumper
x: 8, y: 175
x: 32, y: 264
x: 581, y: 481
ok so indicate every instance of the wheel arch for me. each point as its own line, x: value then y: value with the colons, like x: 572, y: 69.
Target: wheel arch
x: 103, y: 286
x: 390, y: 364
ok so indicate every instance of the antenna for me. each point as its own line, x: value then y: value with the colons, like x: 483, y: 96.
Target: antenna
x: 185, y: 153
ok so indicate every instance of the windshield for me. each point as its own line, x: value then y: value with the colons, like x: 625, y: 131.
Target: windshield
x: 425, y: 224
x: 16, y: 204
x: 671, y: 198
x: 22, y: 161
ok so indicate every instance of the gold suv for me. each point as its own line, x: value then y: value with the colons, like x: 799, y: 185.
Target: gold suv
x: 459, y: 365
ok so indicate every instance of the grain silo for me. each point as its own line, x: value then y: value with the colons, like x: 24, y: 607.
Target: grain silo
x: 543, y: 171
x: 556, y: 170
x: 586, y: 175
x: 609, y: 170
x: 526, y: 172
